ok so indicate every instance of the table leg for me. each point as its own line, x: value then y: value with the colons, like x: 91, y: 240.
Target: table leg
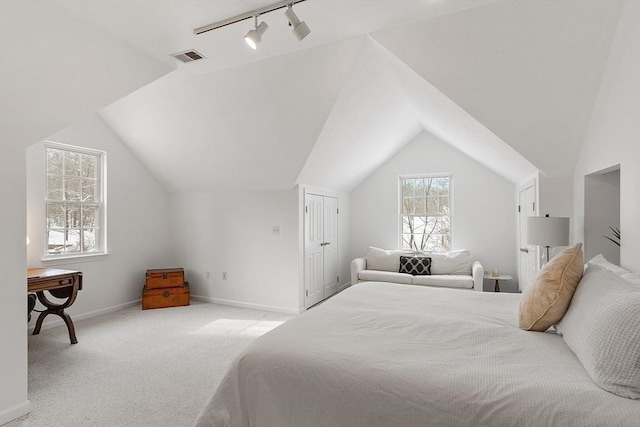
x: 58, y: 309
x: 64, y: 316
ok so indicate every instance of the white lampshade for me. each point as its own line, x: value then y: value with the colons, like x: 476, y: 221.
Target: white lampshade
x: 547, y: 231
x: 254, y: 37
x: 300, y: 29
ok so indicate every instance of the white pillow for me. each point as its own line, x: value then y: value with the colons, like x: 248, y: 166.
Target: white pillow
x: 384, y: 260
x: 602, y: 327
x: 454, y: 262
x: 600, y: 261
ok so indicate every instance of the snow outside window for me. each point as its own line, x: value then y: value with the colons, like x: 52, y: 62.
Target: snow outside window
x: 74, y: 201
x: 425, y: 213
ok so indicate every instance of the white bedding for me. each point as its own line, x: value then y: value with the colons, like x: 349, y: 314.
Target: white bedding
x: 382, y: 354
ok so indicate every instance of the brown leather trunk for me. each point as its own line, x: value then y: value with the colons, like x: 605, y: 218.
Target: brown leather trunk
x: 165, y: 297
x: 164, y: 278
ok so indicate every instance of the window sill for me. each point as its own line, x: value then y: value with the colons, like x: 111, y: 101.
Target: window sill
x: 74, y: 259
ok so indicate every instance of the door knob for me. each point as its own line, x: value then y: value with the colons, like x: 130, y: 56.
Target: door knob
x: 525, y: 250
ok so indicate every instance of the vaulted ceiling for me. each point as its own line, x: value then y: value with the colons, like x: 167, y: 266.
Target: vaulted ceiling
x: 510, y: 83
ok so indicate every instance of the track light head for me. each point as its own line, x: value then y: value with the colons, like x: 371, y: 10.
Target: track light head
x: 254, y: 36
x: 300, y: 29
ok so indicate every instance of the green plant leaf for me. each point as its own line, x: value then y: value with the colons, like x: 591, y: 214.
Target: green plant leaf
x: 616, y: 235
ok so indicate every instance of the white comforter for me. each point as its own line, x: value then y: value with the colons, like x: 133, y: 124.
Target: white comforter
x: 382, y: 354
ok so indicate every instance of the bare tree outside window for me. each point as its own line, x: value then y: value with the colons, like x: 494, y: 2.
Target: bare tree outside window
x: 426, y: 213
x: 73, y: 201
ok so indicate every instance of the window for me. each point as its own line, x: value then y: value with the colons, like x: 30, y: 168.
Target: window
x: 74, y: 201
x: 425, y: 213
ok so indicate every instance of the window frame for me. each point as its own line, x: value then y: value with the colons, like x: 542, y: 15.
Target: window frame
x: 101, y: 203
x: 401, y: 178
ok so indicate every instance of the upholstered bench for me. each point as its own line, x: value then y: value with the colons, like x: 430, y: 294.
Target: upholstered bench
x: 454, y: 269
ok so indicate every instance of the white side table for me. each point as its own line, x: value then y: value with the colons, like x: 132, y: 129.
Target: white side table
x: 497, y: 279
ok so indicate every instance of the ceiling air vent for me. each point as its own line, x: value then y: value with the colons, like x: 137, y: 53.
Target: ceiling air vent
x: 188, y: 55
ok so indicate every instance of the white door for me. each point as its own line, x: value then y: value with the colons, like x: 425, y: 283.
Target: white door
x: 320, y: 248
x: 527, y: 254
x: 330, y: 246
x: 313, y: 249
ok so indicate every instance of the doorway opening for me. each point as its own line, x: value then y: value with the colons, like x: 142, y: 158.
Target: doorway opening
x: 602, y: 214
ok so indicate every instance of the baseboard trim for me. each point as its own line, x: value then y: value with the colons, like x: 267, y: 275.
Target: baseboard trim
x: 241, y: 304
x: 55, y: 321
x: 344, y: 286
x: 14, y: 412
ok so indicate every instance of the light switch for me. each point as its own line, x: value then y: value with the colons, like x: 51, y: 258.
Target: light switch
x: 275, y: 229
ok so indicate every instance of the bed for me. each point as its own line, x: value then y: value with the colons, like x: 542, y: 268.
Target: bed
x: 384, y: 354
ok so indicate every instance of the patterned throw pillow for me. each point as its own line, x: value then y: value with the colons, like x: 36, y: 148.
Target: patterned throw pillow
x: 415, y: 265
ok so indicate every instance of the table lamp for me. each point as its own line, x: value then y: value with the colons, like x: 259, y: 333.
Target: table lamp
x: 547, y: 231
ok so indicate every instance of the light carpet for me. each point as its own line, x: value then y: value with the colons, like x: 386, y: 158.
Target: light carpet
x: 137, y: 368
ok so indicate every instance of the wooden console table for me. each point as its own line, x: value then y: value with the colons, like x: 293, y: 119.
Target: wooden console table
x: 62, y: 284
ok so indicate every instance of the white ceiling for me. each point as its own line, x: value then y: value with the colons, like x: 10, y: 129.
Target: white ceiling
x: 249, y: 127
x: 160, y: 28
x: 370, y: 121
x: 510, y: 83
x: 527, y: 70
x: 49, y: 66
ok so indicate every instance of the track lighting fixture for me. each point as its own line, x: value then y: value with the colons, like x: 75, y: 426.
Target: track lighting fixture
x: 299, y: 28
x: 254, y: 36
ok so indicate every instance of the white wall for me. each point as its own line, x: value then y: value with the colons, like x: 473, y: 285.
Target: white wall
x: 232, y: 232
x: 41, y: 92
x: 137, y: 222
x: 613, y: 135
x: 13, y: 323
x: 483, y: 205
x: 554, y: 196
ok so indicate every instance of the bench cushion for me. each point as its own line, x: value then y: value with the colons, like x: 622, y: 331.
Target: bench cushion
x: 385, y: 276
x: 445, y: 280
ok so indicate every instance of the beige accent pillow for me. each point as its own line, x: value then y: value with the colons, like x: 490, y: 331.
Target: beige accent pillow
x: 546, y: 299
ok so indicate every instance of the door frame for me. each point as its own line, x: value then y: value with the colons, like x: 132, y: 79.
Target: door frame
x: 533, y: 182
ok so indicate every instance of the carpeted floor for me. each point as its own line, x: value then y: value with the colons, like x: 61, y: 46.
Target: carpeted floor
x: 137, y: 368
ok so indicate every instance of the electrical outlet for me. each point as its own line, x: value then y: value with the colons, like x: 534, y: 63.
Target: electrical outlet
x: 275, y: 229
x: 207, y: 275
x: 224, y: 275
